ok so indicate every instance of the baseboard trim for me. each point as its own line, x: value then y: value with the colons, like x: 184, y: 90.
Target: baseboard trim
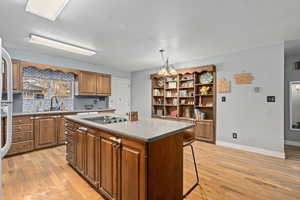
x: 292, y: 143
x: 276, y: 154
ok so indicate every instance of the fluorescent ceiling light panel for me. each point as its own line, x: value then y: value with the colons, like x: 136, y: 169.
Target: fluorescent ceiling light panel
x: 49, y: 9
x: 60, y: 45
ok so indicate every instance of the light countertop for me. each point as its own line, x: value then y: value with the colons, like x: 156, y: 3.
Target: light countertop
x: 61, y: 112
x: 146, y: 129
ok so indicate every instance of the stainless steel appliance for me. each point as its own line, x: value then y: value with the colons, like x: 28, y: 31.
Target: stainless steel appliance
x: 106, y: 119
x: 6, y: 106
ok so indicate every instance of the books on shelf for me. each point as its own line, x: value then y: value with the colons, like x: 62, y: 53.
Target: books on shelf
x: 199, y: 115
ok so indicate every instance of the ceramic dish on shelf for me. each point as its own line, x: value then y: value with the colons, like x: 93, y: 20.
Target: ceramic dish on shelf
x: 206, y: 78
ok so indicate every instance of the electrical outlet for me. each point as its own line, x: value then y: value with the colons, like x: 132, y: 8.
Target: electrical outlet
x: 223, y: 99
x: 234, y: 135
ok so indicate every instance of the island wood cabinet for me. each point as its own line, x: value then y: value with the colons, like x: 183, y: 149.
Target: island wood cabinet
x: 91, y: 83
x: 115, y: 166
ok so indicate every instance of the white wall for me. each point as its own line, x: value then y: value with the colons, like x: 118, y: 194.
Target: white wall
x: 259, y: 124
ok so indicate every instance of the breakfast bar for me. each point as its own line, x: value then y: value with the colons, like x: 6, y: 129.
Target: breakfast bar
x: 128, y: 160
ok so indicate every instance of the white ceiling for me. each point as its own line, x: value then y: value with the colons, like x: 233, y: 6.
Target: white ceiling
x: 127, y: 34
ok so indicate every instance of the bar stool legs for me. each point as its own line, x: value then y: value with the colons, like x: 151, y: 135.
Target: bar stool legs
x: 196, y: 171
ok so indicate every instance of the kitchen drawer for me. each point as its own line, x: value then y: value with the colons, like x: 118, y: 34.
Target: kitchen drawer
x: 22, y: 128
x: 22, y: 136
x: 21, y: 147
x: 71, y: 126
x: 22, y: 120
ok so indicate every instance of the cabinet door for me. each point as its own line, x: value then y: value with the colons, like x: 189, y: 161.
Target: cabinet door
x: 16, y: 75
x: 91, y: 158
x: 104, y: 84
x: 61, y: 130
x: 45, y: 131
x: 133, y: 173
x: 70, y: 147
x: 204, y: 131
x: 110, y: 163
x: 80, y: 151
x: 87, y: 83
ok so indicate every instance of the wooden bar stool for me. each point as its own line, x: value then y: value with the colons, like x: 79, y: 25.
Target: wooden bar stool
x: 188, y: 140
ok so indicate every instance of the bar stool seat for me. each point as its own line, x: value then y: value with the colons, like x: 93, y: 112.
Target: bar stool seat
x: 188, y: 140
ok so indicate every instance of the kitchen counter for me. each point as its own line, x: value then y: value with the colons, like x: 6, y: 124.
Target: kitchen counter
x: 136, y: 159
x: 61, y: 112
x: 146, y: 129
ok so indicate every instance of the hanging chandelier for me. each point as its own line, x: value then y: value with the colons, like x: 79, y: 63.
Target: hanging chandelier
x: 166, y: 69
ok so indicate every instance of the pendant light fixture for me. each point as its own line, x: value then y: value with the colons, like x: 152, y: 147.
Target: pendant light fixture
x: 166, y: 69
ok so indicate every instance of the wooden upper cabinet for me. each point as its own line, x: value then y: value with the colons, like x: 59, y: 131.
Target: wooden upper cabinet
x: 87, y: 83
x: 45, y: 131
x: 91, y: 83
x: 16, y: 76
x: 103, y: 84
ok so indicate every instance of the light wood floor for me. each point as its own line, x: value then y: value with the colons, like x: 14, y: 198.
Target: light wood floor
x: 226, y: 174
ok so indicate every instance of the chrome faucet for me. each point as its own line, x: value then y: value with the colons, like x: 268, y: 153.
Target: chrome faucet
x: 53, y: 108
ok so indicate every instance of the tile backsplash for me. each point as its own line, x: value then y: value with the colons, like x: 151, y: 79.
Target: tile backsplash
x: 71, y: 103
x: 31, y: 105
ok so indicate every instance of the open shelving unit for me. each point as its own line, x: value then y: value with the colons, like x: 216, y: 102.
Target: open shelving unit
x: 177, y: 97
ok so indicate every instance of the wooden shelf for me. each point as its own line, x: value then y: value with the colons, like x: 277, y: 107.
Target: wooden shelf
x: 157, y: 116
x: 204, y: 106
x: 159, y: 96
x: 186, y: 80
x: 158, y: 104
x: 188, y: 83
x: 158, y: 87
x: 170, y: 117
x: 202, y: 84
x: 187, y: 118
x: 171, y: 81
x: 203, y: 95
x: 187, y: 97
x: 186, y: 87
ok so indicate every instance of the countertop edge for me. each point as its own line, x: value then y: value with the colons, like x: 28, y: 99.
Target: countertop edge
x: 61, y: 112
x: 153, y: 139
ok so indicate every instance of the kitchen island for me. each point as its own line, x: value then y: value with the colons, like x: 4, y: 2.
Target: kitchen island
x: 140, y: 160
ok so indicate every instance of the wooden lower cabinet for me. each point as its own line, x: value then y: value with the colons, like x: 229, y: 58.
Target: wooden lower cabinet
x: 204, y: 130
x: 61, y: 137
x: 45, y: 129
